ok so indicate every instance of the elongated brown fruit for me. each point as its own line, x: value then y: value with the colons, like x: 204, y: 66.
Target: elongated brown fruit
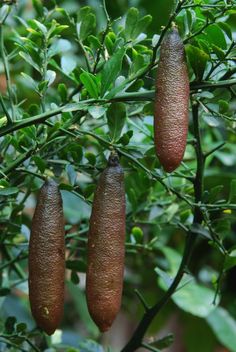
x: 171, y: 102
x: 47, y: 259
x: 106, y: 246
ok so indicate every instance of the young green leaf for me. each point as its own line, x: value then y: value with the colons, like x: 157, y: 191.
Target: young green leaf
x: 62, y: 90
x: 91, y: 84
x: 111, y: 70
x: 116, y: 116
x: 37, y: 4
x: 198, y: 60
x: 131, y: 22
x: 86, y: 23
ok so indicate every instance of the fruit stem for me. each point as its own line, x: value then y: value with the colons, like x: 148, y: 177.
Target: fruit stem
x: 113, y: 159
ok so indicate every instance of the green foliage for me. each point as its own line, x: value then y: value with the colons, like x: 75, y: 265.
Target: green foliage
x: 77, y: 82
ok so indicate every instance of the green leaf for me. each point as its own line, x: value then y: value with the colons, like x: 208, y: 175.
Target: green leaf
x: 41, y: 27
x: 218, y: 51
x: 215, y: 36
x: 226, y: 28
x: 8, y: 191
x: 89, y: 190
x: 190, y: 296
x: 33, y: 110
x: 215, y: 193
x: 74, y: 277
x: 81, y: 307
x: 72, y: 174
x: 111, y: 70
x: 223, y: 106
x: 171, y: 211
x: 21, y: 327
x: 164, y: 342
x: 91, y: 84
x: 50, y: 77
x: 131, y: 22
x: 77, y: 265
x: 230, y: 260
x: 86, y: 23
x: 124, y: 140
x: 42, y: 86
x: 91, y: 158
x: 109, y: 45
x: 3, y: 121
x: 62, y: 90
x: 68, y: 64
x: 211, y: 120
x: 76, y: 151
x: 198, y: 60
x: 200, y: 230
x: 97, y: 111
x: 32, y: 83
x: 116, y: 116
x: 138, y: 62
x: 232, y: 193
x: 94, y: 42
x: 66, y: 187
x: 10, y: 325
x: 90, y: 346
x: 224, y: 327
x: 132, y: 198
x: 57, y: 30
x: 194, y: 298
x: 40, y: 163
x: 142, y: 25
x: 37, y: 4
x: 222, y: 226
x: 29, y: 60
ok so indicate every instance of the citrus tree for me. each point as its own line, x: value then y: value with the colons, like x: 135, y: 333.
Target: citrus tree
x: 77, y: 81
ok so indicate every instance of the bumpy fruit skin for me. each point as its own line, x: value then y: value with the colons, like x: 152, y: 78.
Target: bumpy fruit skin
x: 106, y: 246
x: 171, y: 102
x: 47, y: 259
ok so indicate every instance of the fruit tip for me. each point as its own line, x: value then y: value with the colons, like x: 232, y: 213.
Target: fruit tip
x: 49, y: 330
x: 104, y: 328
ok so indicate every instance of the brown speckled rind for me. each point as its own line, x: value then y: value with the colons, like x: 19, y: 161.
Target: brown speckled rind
x: 47, y: 259
x: 171, y: 103
x: 106, y: 247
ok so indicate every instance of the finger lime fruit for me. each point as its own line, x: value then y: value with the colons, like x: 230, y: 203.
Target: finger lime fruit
x: 171, y: 102
x: 106, y: 246
x: 47, y: 259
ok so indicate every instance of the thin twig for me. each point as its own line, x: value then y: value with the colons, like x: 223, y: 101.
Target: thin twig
x: 7, y: 74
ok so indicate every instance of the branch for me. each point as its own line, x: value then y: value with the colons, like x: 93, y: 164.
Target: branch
x: 16, y: 163
x: 103, y: 37
x: 228, y: 74
x: 14, y: 262
x: 133, y: 96
x: 136, y: 340
x: 232, y: 45
x: 213, y: 84
x: 6, y: 340
x: 142, y: 300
